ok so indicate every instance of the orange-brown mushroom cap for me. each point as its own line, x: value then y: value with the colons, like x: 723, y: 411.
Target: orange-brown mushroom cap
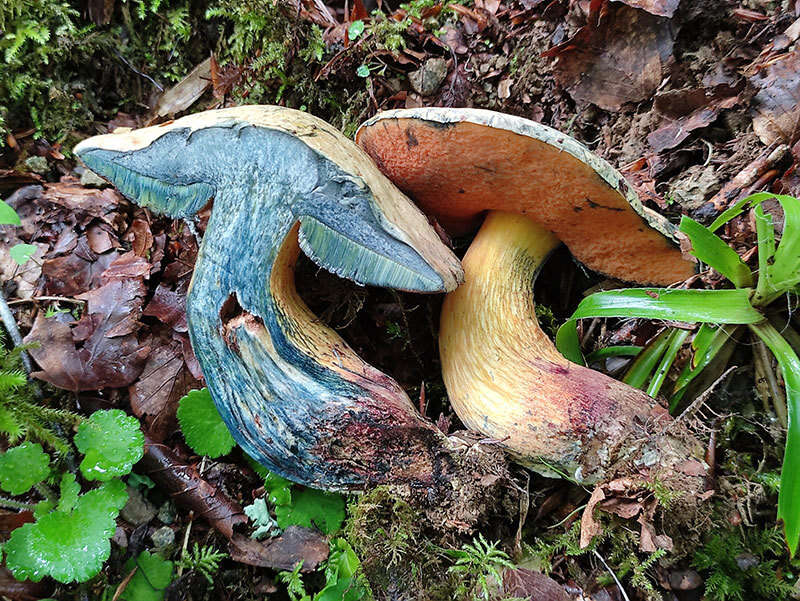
x: 504, y: 377
x: 459, y: 163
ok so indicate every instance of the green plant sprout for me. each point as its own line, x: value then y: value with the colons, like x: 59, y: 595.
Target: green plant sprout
x: 478, y: 563
x: 203, y: 560
x: 720, y: 313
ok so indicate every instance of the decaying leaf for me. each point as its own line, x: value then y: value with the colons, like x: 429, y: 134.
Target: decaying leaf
x: 284, y: 552
x: 776, y: 106
x: 685, y: 111
x: 101, y: 350
x: 186, y: 92
x: 163, y: 381
x: 616, y: 58
x: 662, y: 8
x: 527, y: 584
x: 186, y: 487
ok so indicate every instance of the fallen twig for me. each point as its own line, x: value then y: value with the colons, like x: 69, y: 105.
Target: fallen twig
x: 13, y: 331
x: 745, y: 180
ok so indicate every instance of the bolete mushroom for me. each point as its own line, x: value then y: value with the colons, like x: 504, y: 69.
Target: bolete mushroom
x: 295, y: 396
x: 503, y: 375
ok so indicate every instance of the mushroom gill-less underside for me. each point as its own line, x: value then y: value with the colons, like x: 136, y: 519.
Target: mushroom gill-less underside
x: 503, y: 375
x: 295, y: 396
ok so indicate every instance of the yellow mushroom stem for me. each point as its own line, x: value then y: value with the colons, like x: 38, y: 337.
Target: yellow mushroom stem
x: 506, y: 379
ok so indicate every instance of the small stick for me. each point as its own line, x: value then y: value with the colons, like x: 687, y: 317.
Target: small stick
x: 701, y: 400
x: 613, y: 575
x: 13, y: 331
x: 761, y: 355
x: 747, y: 177
x: 124, y: 584
x: 54, y: 299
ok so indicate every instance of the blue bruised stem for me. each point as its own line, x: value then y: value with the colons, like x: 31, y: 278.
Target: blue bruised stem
x: 292, y: 392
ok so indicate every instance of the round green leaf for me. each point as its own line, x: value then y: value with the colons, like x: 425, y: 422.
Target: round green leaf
x: 23, y: 466
x: 202, y: 425
x: 22, y: 252
x: 150, y: 580
x: 8, y: 216
x: 69, y: 546
x: 112, y: 443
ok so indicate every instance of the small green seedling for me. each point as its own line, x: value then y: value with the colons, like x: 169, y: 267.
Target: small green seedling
x: 477, y: 564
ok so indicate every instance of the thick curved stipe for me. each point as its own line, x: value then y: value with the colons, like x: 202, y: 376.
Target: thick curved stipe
x: 294, y: 395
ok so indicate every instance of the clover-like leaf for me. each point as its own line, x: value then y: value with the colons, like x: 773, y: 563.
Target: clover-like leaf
x: 69, y: 546
x: 202, y: 425
x: 8, y: 216
x: 112, y: 443
x: 151, y: 579
x: 20, y: 253
x: 23, y: 466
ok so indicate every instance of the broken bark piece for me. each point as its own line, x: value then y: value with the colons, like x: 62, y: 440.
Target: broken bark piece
x: 294, y: 395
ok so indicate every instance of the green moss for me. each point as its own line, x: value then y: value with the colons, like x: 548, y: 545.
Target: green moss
x: 396, y: 554
x: 746, y: 564
x: 22, y: 415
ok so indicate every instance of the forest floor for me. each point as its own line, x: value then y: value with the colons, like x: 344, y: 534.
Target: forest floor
x: 696, y: 102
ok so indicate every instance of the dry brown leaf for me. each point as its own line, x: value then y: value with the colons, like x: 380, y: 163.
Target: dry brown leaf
x: 184, y: 93
x: 101, y: 350
x: 284, y: 552
x: 590, y: 527
x: 661, y: 8
x: 527, y: 584
x: 616, y: 58
x: 164, y: 380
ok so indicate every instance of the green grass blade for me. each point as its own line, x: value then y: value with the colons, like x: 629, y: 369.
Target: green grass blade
x: 674, y: 343
x: 705, y: 306
x: 567, y: 341
x: 708, y: 342
x: 692, y: 306
x: 712, y: 250
x: 789, y: 496
x: 645, y: 363
x: 784, y: 270
x: 765, y: 231
x: 739, y: 208
x: 613, y: 351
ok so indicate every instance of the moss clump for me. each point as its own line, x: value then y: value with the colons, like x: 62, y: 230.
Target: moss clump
x: 396, y: 555
x: 746, y: 564
x: 281, y: 58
